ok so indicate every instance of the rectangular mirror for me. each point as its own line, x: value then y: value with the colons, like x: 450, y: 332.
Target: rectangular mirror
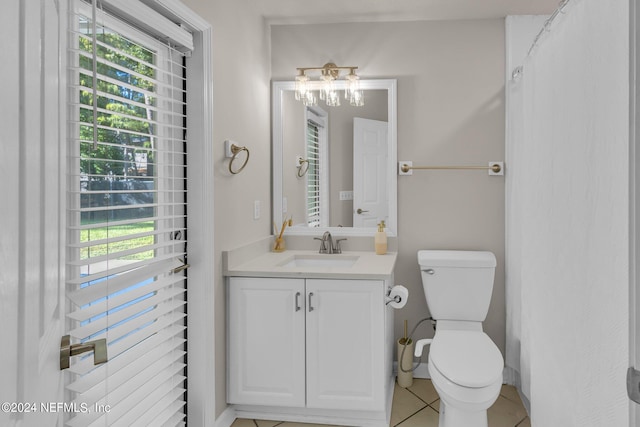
x: 334, y: 168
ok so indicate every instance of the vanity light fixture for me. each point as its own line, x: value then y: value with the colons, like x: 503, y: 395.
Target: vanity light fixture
x: 329, y: 73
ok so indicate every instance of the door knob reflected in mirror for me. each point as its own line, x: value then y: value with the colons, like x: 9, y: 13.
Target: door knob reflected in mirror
x: 360, y: 211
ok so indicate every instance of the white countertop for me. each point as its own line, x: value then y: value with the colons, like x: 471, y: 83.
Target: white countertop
x: 367, y: 266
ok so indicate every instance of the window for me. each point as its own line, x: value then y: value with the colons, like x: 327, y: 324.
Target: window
x: 317, y: 182
x: 127, y: 220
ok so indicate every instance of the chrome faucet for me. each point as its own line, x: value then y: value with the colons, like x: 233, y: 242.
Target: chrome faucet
x: 326, y: 238
x: 326, y: 244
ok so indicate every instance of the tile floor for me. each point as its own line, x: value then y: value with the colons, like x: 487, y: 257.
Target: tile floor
x: 418, y: 405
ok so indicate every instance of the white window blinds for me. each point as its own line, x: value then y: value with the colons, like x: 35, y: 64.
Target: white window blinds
x: 313, y: 173
x: 127, y: 222
x: 317, y: 176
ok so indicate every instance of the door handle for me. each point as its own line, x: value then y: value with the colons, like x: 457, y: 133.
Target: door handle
x: 182, y: 267
x: 360, y: 211
x: 633, y: 384
x: 297, y: 301
x: 99, y: 348
x: 310, y: 306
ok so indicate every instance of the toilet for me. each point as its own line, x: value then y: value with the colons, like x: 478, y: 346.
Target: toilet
x: 464, y: 364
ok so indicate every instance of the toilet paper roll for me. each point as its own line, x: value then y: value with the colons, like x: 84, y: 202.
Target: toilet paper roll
x: 398, y: 295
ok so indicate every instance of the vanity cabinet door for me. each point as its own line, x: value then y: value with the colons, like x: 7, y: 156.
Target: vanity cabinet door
x: 266, y: 357
x: 345, y: 344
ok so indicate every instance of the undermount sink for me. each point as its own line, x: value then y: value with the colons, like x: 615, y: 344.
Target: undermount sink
x: 341, y: 261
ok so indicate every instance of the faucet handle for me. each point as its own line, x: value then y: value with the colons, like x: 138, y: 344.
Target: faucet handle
x: 323, y: 245
x: 337, y: 249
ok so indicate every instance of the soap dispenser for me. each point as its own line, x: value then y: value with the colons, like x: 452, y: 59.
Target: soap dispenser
x: 380, y: 239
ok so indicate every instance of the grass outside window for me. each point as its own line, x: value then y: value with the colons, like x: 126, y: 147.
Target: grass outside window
x: 115, y: 231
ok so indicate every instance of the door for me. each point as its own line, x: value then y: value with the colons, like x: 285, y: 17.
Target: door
x: 49, y: 249
x: 126, y: 221
x: 370, y: 170
x: 266, y: 341
x: 345, y: 349
x: 633, y: 374
x: 32, y: 303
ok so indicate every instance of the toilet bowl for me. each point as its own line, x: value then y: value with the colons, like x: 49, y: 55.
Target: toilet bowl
x: 464, y: 364
x: 466, y: 371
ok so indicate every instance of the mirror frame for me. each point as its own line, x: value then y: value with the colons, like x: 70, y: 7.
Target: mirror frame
x: 277, y: 92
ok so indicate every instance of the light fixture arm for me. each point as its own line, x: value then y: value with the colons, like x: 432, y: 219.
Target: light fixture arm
x: 327, y: 69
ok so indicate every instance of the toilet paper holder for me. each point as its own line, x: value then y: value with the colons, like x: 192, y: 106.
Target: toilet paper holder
x: 395, y: 298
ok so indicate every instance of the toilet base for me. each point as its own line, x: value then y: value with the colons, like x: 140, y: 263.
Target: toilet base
x: 453, y: 417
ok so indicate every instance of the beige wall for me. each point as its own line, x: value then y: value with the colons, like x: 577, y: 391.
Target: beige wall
x: 241, y: 94
x: 450, y: 111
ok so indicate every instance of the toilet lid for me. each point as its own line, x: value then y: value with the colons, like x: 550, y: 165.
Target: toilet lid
x: 467, y: 358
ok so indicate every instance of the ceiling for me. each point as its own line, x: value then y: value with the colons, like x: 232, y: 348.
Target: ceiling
x: 337, y: 11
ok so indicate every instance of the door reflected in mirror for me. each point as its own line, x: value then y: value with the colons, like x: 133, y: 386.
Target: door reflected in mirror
x: 334, y: 167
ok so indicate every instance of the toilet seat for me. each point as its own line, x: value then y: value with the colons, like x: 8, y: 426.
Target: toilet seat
x: 466, y: 358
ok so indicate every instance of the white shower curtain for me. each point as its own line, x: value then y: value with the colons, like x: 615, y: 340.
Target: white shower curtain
x: 567, y: 219
x: 513, y: 246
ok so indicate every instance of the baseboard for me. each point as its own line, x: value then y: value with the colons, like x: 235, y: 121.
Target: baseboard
x: 421, y: 371
x: 509, y: 375
x: 512, y: 377
x: 307, y: 416
x: 227, y: 417
x: 341, y: 417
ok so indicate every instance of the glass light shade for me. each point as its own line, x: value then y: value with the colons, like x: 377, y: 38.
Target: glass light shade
x: 310, y: 99
x: 330, y: 72
x: 327, y: 87
x: 333, y: 99
x: 357, y: 98
x: 302, y: 87
x: 353, y: 85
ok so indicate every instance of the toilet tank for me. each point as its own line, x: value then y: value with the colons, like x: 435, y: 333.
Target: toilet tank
x: 457, y: 284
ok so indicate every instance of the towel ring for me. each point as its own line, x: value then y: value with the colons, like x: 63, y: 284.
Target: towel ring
x: 235, y: 150
x: 301, y: 163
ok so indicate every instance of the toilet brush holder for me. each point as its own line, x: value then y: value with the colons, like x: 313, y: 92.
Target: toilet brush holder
x: 405, y: 379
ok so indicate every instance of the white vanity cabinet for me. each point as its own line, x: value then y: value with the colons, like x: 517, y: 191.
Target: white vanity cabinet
x: 310, y: 343
x: 345, y: 344
x: 266, y: 333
